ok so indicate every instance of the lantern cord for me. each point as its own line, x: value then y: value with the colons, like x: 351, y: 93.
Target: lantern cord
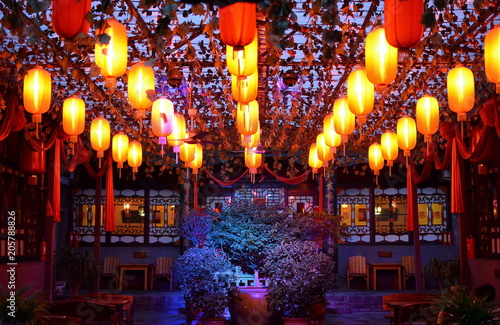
x: 176, y: 158
x: 406, y: 161
x: 99, y: 163
x: 376, y: 180
x: 162, y: 151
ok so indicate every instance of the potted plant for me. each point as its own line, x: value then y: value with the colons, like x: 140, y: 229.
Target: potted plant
x: 75, y: 267
x: 208, y: 280
x: 24, y: 307
x: 299, y: 275
x: 445, y: 273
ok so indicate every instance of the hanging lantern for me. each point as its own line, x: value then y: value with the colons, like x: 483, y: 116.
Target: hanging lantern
x: 73, y: 117
x: 402, y: 22
x: 99, y: 136
x: 381, y: 59
x: 37, y: 93
x: 492, y: 56
x: 162, y: 119
x: 245, y: 89
x: 119, y: 149
x: 196, y: 163
x: 252, y: 161
x: 314, y: 162
x: 112, y: 57
x: 406, y: 131
x: 324, y: 151
x: 247, y: 118
x: 427, y: 114
x: 141, y: 87
x: 251, y: 141
x: 389, y: 145
x: 237, y: 24
x: 332, y: 138
x: 134, y: 156
x: 187, y: 152
x: 69, y: 17
x: 243, y: 63
x: 360, y: 94
x: 176, y: 138
x: 32, y: 162
x: 343, y: 119
x: 375, y: 159
x: 460, y: 84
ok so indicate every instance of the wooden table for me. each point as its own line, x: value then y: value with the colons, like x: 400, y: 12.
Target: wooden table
x: 386, y: 266
x: 134, y: 267
x: 396, y: 302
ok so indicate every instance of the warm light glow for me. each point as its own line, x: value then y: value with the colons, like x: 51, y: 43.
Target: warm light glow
x: 196, y: 163
x: 402, y: 22
x: 112, y: 57
x: 135, y: 155
x: 343, y: 119
x: 237, y: 23
x: 119, y: 148
x: 73, y: 117
x: 492, y: 56
x: 68, y: 17
x: 99, y: 135
x: 360, y: 94
x: 252, y: 161
x: 187, y: 152
x: 176, y: 138
x: 245, y: 89
x: 37, y: 93
x: 251, y: 141
x: 406, y: 131
x: 460, y: 83
x: 375, y: 158
x: 332, y: 138
x: 389, y: 145
x: 247, y: 118
x: 314, y: 162
x: 141, y: 86
x: 427, y: 114
x: 381, y: 58
x: 162, y: 119
x: 243, y: 63
x: 324, y: 151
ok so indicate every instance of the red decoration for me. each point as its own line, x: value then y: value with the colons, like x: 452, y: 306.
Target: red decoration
x: 237, y: 23
x: 32, y: 162
x: 488, y: 111
x: 403, y: 28
x: 68, y: 17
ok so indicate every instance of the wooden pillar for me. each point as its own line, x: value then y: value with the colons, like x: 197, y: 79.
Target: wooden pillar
x: 147, y: 210
x: 97, y: 228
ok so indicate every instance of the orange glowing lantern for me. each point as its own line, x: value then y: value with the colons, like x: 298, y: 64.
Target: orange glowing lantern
x: 32, y: 163
x: 68, y: 17
x: 247, y: 118
x: 176, y: 138
x: 244, y: 62
x: 492, y: 56
x: 37, y: 93
x: 245, y: 89
x: 402, y: 21
x: 375, y: 159
x: 196, y: 163
x: 141, y: 86
x: 389, y: 145
x: 332, y: 138
x: 237, y: 23
x: 112, y: 57
x: 251, y: 141
x: 99, y: 136
x: 343, y: 119
x: 73, y: 117
x: 427, y: 114
x: 406, y: 131
x: 381, y: 59
x: 324, y: 151
x: 460, y: 83
x: 314, y: 162
x: 187, y: 152
x: 162, y: 119
x: 252, y: 161
x: 135, y: 156
x: 360, y: 94
x: 119, y: 147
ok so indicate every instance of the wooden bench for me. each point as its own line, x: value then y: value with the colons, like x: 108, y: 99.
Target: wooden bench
x: 405, y: 301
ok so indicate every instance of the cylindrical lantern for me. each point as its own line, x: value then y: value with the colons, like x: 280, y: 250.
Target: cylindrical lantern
x: 245, y: 89
x: 73, y: 117
x: 187, y: 152
x: 375, y: 159
x: 324, y: 151
x: 251, y: 141
x: 99, y: 135
x: 69, y: 17
x: 381, y: 58
x: 360, y: 94
x: 314, y: 162
x: 119, y: 148
x: 332, y: 138
x: 402, y: 22
x: 237, y: 23
x: 389, y: 145
x: 343, y: 118
x: 196, y: 163
x: 141, y: 86
x: 135, y: 156
x: 32, y: 162
x: 427, y: 114
x: 460, y: 84
x: 176, y: 138
x: 406, y: 131
x: 492, y: 56
x: 252, y: 161
x: 247, y: 118
x: 162, y: 120
x: 37, y: 93
x: 244, y: 62
x: 112, y: 57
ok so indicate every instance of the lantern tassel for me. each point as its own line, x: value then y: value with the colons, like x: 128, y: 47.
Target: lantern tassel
x: 36, y: 131
x: 390, y: 171
x: 343, y: 149
x: 119, y: 173
x: 376, y: 180
x: 406, y: 161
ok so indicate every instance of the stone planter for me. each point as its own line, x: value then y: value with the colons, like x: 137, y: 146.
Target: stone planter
x: 296, y: 321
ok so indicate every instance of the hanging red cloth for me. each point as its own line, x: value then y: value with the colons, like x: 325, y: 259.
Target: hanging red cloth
x: 109, y: 203
x: 294, y: 181
x: 411, y: 199
x: 225, y: 183
x: 457, y: 195
x: 55, y: 183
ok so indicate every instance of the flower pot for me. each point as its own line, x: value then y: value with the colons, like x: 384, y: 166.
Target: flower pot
x: 318, y: 311
x: 250, y: 307
x: 296, y: 321
x: 212, y: 321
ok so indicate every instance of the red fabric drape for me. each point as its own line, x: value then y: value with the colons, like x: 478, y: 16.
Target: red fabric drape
x: 225, y: 183
x: 7, y: 118
x: 411, y: 199
x: 109, y: 204
x: 457, y: 199
x: 295, y: 180
x: 101, y: 171
x: 55, y: 188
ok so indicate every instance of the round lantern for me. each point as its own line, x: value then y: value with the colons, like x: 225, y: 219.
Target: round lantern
x: 381, y: 59
x: 69, y: 17
x: 162, y: 119
x: 360, y: 94
x: 252, y: 161
x: 389, y: 145
x: 402, y: 22
x: 427, y: 114
x: 343, y: 119
x: 112, y: 57
x: 176, y: 138
x: 406, y: 131
x: 119, y: 147
x: 245, y: 89
x: 460, y: 84
x: 37, y: 93
x: 375, y: 159
x: 314, y: 162
x: 237, y: 23
x: 332, y: 138
x: 251, y: 141
x: 324, y: 151
x: 247, y: 118
x: 196, y: 163
x: 244, y: 62
x: 141, y: 83
x: 99, y: 136
x: 187, y: 152
x: 492, y: 56
x: 73, y: 117
x: 134, y: 156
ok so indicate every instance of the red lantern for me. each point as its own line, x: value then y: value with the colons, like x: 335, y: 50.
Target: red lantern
x: 237, y: 23
x: 68, y: 17
x: 32, y: 162
x: 402, y: 22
